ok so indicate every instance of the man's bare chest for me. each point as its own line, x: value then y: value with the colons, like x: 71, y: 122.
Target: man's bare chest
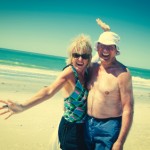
x: 105, y: 83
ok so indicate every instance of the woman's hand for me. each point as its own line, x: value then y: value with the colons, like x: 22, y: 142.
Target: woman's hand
x: 10, y: 108
x: 103, y: 25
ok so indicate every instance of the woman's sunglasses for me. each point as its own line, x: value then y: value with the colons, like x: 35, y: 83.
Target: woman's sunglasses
x: 84, y: 56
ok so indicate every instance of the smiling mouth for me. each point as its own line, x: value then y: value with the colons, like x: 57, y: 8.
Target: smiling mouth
x: 78, y: 64
x: 105, y: 55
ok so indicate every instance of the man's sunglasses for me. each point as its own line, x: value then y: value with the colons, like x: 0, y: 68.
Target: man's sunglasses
x: 108, y: 47
x: 84, y: 56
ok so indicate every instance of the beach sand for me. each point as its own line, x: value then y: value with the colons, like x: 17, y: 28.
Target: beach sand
x: 31, y: 130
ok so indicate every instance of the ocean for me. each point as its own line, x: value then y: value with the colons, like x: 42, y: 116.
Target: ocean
x: 34, y: 66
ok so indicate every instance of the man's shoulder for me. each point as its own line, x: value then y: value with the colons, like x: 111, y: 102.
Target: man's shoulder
x: 123, y: 71
x: 121, y: 66
x: 118, y: 68
x: 93, y: 66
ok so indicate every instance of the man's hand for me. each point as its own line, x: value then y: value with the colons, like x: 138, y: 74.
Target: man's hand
x: 117, y: 146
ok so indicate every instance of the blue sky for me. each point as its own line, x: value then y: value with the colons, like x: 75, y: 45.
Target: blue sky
x: 46, y: 26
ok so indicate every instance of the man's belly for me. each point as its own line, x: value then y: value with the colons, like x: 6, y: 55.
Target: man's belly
x: 100, y: 106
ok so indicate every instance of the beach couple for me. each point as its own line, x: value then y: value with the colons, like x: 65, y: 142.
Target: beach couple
x: 98, y: 97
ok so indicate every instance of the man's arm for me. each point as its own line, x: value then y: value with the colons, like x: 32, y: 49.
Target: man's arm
x: 126, y: 93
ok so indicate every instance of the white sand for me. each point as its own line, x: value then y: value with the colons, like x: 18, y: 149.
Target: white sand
x: 31, y: 130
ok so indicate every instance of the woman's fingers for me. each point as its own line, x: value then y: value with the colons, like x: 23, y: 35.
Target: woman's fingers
x: 9, y: 115
x: 2, y: 113
x: 2, y: 101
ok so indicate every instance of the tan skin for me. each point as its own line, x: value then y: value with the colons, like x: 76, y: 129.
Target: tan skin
x: 111, y: 92
x: 65, y: 81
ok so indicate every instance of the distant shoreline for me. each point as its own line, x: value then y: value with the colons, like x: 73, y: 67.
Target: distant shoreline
x: 35, y: 53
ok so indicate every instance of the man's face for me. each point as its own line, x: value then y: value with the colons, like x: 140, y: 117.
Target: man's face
x: 106, y: 52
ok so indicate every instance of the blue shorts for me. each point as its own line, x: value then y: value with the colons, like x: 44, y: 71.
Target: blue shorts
x: 100, y: 134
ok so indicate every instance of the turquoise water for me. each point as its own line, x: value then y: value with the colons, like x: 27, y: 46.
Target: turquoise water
x: 31, y: 60
x: 40, y: 66
x: 139, y: 72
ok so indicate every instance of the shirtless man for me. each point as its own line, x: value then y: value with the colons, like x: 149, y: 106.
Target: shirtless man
x: 110, y: 100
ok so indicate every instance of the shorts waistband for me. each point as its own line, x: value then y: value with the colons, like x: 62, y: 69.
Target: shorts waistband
x: 105, y: 119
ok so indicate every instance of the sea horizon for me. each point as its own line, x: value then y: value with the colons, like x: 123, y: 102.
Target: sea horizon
x: 15, y: 63
x: 49, y: 55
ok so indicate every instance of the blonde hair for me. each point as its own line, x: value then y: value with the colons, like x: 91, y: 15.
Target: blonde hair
x: 81, y: 44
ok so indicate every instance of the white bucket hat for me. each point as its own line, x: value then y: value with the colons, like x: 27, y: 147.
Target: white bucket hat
x: 109, y: 38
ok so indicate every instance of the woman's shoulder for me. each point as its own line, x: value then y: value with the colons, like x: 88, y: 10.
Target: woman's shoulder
x: 67, y: 71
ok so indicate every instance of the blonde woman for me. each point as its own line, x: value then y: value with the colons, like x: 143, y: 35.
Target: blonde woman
x: 72, y: 80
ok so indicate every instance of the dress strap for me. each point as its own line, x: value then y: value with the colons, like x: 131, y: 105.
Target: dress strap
x: 74, y: 71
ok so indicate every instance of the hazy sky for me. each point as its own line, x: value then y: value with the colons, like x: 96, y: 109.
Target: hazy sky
x: 46, y: 26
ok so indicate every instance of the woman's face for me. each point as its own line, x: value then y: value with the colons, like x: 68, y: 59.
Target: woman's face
x: 80, y: 61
